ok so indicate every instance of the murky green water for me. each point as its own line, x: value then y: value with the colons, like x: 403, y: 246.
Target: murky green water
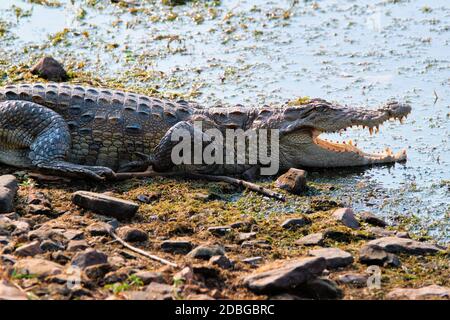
x: 254, y: 52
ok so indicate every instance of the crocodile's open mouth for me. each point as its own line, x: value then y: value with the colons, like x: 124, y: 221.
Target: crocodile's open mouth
x: 349, y: 147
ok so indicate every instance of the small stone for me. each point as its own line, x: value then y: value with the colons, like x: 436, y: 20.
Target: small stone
x: 221, y: 261
x: 50, y: 69
x: 284, y: 276
x: 10, y: 292
x: 97, y: 271
x: 313, y: 239
x: 130, y: 234
x: 294, y: 223
x: 88, y: 258
x: 149, y: 276
x: 261, y: 244
x: 4, y: 240
x: 99, y: 229
x: 7, y: 259
x: 375, y: 255
x: 379, y: 232
x: 293, y: 181
x: 8, y: 191
x: 105, y: 205
x: 72, y: 234
x: 425, y: 293
x: 49, y: 245
x: 186, y: 274
x: 347, y: 217
x: 403, y: 245
x: 205, y: 252
x: 372, y: 219
x: 176, y: 246
x: 29, y: 250
x: 245, y: 236
x: 158, y: 291
x: 37, y: 267
x: 219, y: 231
x: 334, y: 257
x: 358, y: 280
x: 149, y: 197
x: 39, y: 203
x: 254, y: 261
x: 321, y: 289
x: 77, y: 245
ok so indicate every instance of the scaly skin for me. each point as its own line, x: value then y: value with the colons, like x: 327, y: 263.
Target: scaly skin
x: 80, y: 131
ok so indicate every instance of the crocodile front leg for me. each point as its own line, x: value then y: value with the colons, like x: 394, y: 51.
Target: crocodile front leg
x: 35, y: 137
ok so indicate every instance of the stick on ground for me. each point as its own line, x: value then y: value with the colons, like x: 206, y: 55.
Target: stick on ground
x: 237, y: 182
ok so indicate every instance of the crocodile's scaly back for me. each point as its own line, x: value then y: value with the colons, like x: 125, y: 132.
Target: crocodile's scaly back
x: 105, y: 125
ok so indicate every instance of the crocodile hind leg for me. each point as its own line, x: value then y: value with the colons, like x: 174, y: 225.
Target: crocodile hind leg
x: 36, y: 137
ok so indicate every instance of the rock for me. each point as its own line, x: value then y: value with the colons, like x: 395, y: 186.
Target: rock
x: 201, y: 297
x: 154, y: 291
x: 205, y: 252
x: 347, y: 217
x: 375, y: 255
x: 358, y: 280
x: 105, y: 205
x: 97, y: 271
x: 149, y: 276
x: 372, y: 219
x: 39, y: 203
x: 8, y: 191
x: 379, y: 232
x: 245, y: 236
x: 424, y: 293
x: 99, y: 229
x: 285, y: 297
x: 403, y: 245
x: 261, y: 244
x: 49, y: 245
x: 293, y: 181
x: 50, y: 69
x: 4, y: 240
x: 221, y: 261
x: 254, y: 261
x: 149, y: 197
x: 10, y: 292
x: 313, y: 239
x: 186, y: 274
x: 60, y: 257
x: 294, y: 223
x: 176, y: 246
x: 219, y: 231
x: 321, y: 289
x: 88, y: 258
x: 285, y: 276
x: 130, y: 234
x: 7, y: 259
x: 77, y: 245
x: 37, y: 267
x: 72, y: 234
x: 334, y: 257
x: 29, y: 250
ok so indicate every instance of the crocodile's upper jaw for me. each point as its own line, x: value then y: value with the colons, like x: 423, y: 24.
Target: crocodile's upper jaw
x: 303, y: 146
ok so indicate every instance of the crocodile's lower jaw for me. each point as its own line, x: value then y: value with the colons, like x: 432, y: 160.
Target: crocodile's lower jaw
x: 347, y: 148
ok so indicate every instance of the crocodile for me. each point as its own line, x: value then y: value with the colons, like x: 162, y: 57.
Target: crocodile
x: 87, y: 132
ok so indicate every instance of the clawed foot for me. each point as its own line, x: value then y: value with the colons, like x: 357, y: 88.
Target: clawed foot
x: 137, y: 166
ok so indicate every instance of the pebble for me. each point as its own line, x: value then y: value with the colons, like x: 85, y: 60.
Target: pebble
x: 29, y: 250
x: 358, y: 280
x: 372, y: 219
x: 99, y: 229
x: 294, y: 223
x: 313, y: 239
x: 221, y: 261
x: 346, y: 217
x: 150, y: 276
x: 8, y: 191
x: 10, y: 292
x: 403, y: 245
x: 177, y: 246
x: 375, y: 255
x: 284, y: 276
x: 320, y: 289
x: 105, y: 205
x: 131, y: 234
x: 424, y: 293
x: 293, y: 181
x: 37, y: 267
x: 77, y: 245
x: 219, y: 231
x: 254, y: 261
x: 88, y: 258
x: 50, y: 69
x: 205, y: 252
x: 49, y: 245
x: 334, y: 257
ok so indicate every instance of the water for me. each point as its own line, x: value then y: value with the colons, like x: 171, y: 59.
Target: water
x: 354, y: 52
